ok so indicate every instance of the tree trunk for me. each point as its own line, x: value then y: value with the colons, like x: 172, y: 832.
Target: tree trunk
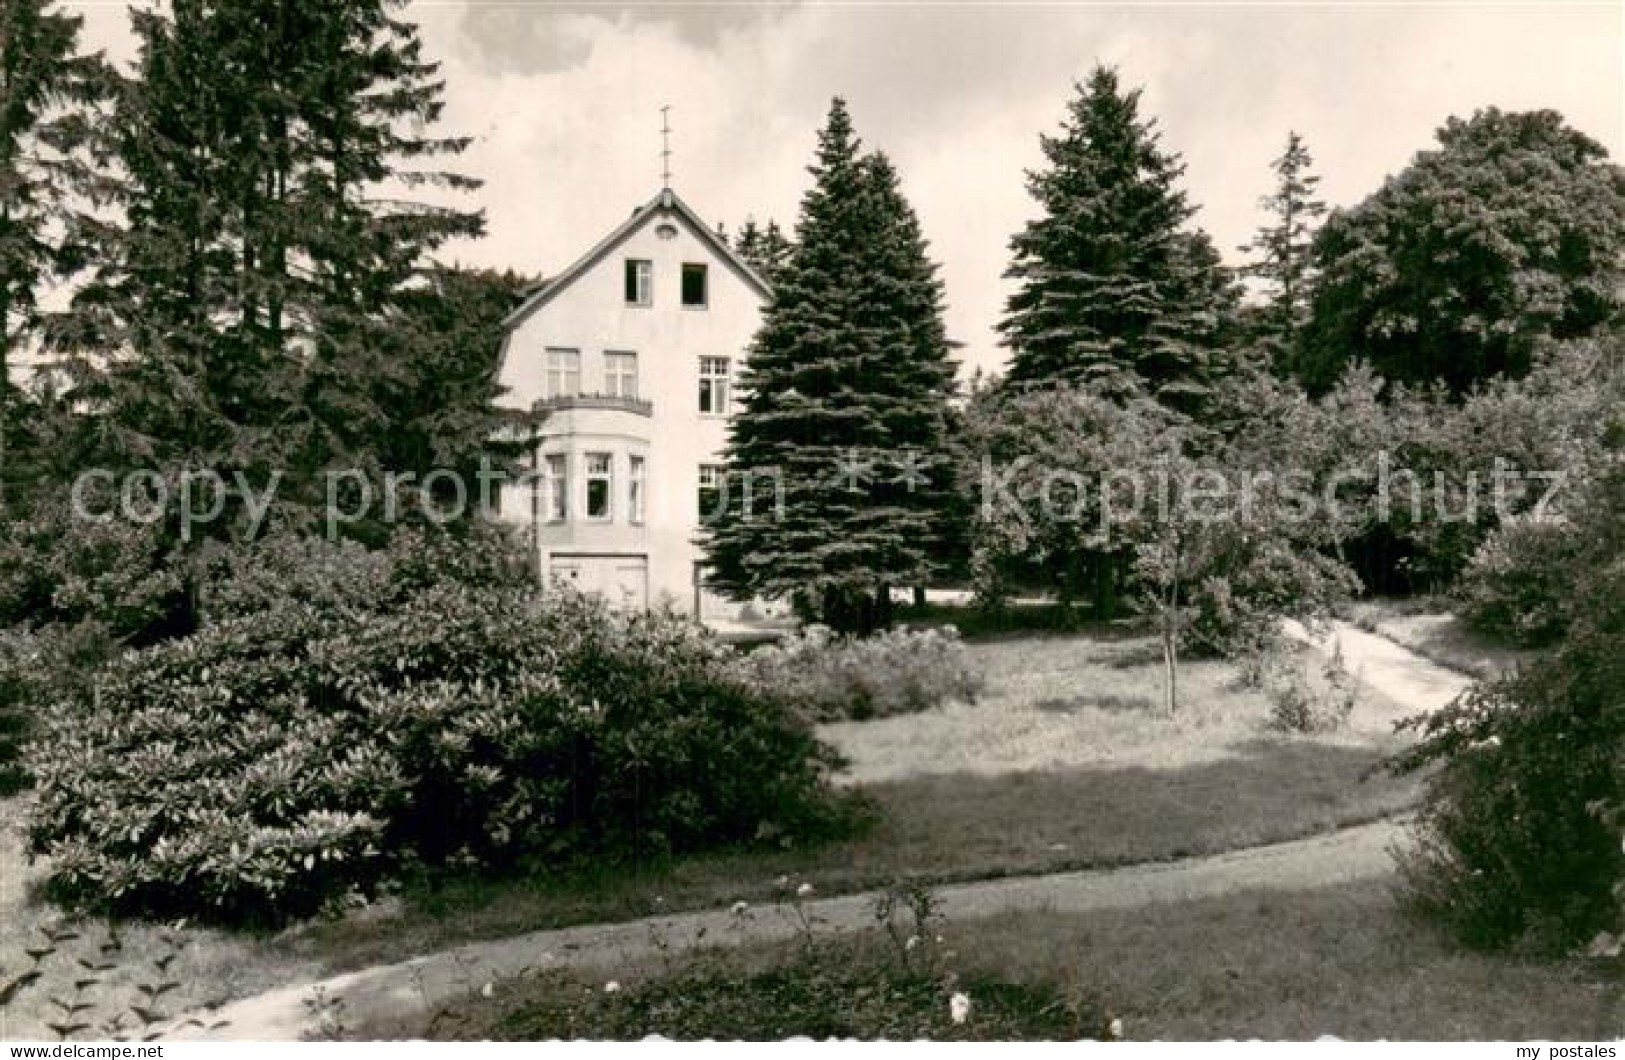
x: 1105, y: 565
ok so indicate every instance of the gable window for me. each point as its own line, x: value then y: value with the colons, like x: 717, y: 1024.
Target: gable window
x: 563, y: 373
x: 640, y: 275
x: 634, y: 489
x: 600, y: 485
x: 556, y: 487
x: 621, y: 374
x: 710, y: 494
x: 714, y: 372
x: 694, y: 286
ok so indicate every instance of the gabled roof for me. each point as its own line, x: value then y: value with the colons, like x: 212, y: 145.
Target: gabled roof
x: 666, y: 202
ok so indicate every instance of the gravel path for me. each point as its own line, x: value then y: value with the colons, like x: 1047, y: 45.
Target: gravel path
x: 1412, y: 683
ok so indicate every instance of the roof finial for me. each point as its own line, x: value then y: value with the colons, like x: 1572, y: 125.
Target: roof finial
x: 665, y: 147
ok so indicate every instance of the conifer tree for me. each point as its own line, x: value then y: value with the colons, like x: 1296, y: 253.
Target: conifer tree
x: 764, y: 248
x: 1113, y: 289
x: 48, y: 90
x: 1281, y: 249
x: 839, y: 448
x: 249, y: 307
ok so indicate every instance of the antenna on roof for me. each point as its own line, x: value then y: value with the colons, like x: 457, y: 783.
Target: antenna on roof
x: 665, y: 147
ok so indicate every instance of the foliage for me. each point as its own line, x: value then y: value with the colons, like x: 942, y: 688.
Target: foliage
x: 832, y: 678
x: 893, y: 982
x: 1113, y: 289
x: 1510, y: 231
x: 1301, y: 700
x: 1281, y: 249
x: 1520, y: 832
x: 1519, y: 584
x: 837, y: 475
x: 274, y: 763
x: 255, y: 309
x: 764, y: 247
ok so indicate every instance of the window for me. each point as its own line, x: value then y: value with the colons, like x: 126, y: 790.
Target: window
x: 694, y: 286
x: 556, y: 486
x: 621, y: 374
x: 634, y: 489
x: 711, y: 479
x: 563, y: 373
x: 714, y: 385
x: 639, y: 281
x: 600, y: 482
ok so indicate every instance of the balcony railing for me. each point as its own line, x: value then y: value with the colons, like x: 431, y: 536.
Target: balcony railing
x: 614, y: 402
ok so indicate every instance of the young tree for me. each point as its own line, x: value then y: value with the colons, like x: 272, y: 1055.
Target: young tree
x: 1280, y: 249
x: 765, y: 249
x: 1112, y: 286
x: 1510, y: 232
x: 836, y: 469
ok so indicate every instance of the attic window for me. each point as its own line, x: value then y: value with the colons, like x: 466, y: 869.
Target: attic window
x: 694, y: 292
x: 666, y: 230
x: 639, y: 281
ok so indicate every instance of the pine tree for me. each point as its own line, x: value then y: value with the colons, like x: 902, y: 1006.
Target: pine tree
x: 1113, y: 289
x: 763, y: 248
x: 48, y: 91
x: 845, y: 406
x: 1281, y: 248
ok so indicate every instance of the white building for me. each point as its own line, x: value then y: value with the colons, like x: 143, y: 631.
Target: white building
x: 633, y: 353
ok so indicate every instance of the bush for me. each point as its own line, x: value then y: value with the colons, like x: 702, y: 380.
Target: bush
x: 1520, y: 583
x: 277, y: 762
x: 831, y: 678
x: 1520, y: 829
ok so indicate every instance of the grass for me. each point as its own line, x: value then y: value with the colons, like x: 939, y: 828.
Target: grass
x: 1066, y: 763
x: 1344, y: 961
x: 1429, y: 629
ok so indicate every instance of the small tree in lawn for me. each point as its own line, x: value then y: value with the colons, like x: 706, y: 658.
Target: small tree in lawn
x: 845, y: 407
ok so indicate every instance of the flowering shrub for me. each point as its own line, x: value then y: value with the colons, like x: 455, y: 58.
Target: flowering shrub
x: 298, y: 755
x: 833, y: 678
x: 1520, y: 583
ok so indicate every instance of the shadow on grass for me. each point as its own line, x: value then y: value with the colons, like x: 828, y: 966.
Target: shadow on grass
x: 943, y: 828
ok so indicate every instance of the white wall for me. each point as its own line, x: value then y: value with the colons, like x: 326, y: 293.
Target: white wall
x: 589, y: 313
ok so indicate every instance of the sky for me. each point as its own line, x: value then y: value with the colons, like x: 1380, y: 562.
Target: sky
x: 563, y: 102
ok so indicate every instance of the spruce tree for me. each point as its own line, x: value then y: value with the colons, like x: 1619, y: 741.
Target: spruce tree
x: 1113, y: 289
x: 1281, y: 248
x: 48, y: 92
x: 764, y: 248
x: 840, y: 441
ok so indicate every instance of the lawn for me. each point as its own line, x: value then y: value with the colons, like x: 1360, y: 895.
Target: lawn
x: 1066, y: 762
x: 1343, y: 961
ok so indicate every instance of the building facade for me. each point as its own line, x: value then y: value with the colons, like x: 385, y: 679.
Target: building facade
x: 633, y: 356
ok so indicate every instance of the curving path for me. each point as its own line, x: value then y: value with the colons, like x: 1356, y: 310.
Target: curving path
x: 413, y: 986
